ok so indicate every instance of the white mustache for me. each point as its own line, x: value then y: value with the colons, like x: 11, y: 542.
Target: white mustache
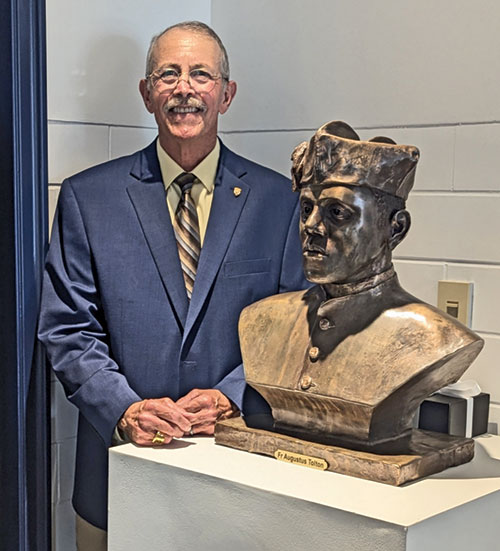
x: 184, y: 102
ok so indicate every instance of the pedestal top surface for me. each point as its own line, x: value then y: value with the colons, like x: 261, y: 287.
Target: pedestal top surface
x: 406, y: 505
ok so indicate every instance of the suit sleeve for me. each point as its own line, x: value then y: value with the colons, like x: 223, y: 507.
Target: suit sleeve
x: 291, y: 279
x: 72, y: 325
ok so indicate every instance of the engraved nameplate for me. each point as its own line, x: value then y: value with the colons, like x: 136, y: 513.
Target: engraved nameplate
x: 299, y: 459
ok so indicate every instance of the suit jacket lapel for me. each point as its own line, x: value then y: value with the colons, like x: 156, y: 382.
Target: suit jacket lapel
x: 147, y: 194
x: 224, y: 215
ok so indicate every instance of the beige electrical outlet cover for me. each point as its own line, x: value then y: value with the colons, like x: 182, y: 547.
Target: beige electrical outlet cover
x: 455, y: 298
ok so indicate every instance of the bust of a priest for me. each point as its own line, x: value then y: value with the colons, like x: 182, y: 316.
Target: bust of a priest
x: 349, y: 360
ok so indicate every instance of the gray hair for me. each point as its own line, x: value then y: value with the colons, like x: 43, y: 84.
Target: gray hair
x: 196, y: 27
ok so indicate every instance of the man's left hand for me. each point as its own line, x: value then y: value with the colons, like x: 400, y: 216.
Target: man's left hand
x: 204, y: 407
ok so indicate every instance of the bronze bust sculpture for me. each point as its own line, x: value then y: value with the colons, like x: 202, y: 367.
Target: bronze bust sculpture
x: 347, y: 362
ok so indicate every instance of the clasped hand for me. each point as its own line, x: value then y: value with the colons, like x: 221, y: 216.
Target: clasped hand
x: 194, y: 413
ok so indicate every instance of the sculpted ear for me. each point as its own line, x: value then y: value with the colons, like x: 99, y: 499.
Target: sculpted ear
x: 400, y: 224
x: 297, y: 158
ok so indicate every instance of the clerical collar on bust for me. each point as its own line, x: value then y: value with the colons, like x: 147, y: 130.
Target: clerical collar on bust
x: 345, y: 289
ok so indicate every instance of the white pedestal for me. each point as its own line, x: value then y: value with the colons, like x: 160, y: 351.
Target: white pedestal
x: 194, y: 495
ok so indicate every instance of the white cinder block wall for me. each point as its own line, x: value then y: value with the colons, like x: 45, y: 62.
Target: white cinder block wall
x: 95, y: 56
x: 424, y: 73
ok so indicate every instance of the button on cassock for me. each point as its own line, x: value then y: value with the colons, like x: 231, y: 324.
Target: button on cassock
x: 306, y: 382
x: 314, y: 353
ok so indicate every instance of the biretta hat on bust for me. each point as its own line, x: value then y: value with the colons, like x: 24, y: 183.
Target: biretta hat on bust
x: 336, y: 155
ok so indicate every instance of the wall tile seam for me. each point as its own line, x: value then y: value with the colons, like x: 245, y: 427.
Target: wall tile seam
x: 109, y: 143
x: 488, y: 334
x: 66, y: 439
x: 59, y: 501
x: 103, y: 124
x: 57, y: 122
x: 64, y: 442
x: 481, y: 193
x: 411, y: 126
x: 453, y: 166
x: 449, y: 261
x: 63, y: 445
x: 433, y: 263
x: 66, y: 502
x: 470, y: 265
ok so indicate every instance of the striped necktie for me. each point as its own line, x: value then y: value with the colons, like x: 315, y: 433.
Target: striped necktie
x: 187, y: 231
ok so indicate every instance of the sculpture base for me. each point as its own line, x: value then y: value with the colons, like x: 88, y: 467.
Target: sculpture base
x: 427, y: 453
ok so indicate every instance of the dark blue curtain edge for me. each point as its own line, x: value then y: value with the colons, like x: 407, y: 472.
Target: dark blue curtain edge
x: 24, y: 396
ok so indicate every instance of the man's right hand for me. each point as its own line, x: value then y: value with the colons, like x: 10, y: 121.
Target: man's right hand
x: 142, y: 420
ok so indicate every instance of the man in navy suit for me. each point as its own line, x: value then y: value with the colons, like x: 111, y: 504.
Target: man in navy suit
x: 145, y: 354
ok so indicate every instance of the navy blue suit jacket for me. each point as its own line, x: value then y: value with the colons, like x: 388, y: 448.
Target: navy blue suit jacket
x: 115, y: 318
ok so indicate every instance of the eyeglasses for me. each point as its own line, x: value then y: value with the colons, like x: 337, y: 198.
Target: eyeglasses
x: 199, y: 79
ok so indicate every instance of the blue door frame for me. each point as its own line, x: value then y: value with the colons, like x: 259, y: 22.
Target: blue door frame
x: 24, y: 381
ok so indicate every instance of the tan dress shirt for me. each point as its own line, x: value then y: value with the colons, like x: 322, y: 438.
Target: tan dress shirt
x: 202, y: 191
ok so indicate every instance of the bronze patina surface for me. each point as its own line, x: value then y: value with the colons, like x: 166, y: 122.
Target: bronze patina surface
x: 372, y: 370
x: 426, y: 453
x: 347, y: 363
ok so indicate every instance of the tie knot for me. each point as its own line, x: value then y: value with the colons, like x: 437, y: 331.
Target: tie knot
x: 185, y: 181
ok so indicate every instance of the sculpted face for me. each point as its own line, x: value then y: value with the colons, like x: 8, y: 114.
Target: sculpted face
x: 342, y: 239
x: 182, y: 113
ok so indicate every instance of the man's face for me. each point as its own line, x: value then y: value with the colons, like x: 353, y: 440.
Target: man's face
x: 182, y: 113
x: 341, y: 239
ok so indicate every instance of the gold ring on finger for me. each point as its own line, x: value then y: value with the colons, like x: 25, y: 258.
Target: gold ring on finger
x: 158, y: 438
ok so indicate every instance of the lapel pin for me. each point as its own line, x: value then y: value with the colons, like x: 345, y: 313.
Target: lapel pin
x: 237, y: 191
